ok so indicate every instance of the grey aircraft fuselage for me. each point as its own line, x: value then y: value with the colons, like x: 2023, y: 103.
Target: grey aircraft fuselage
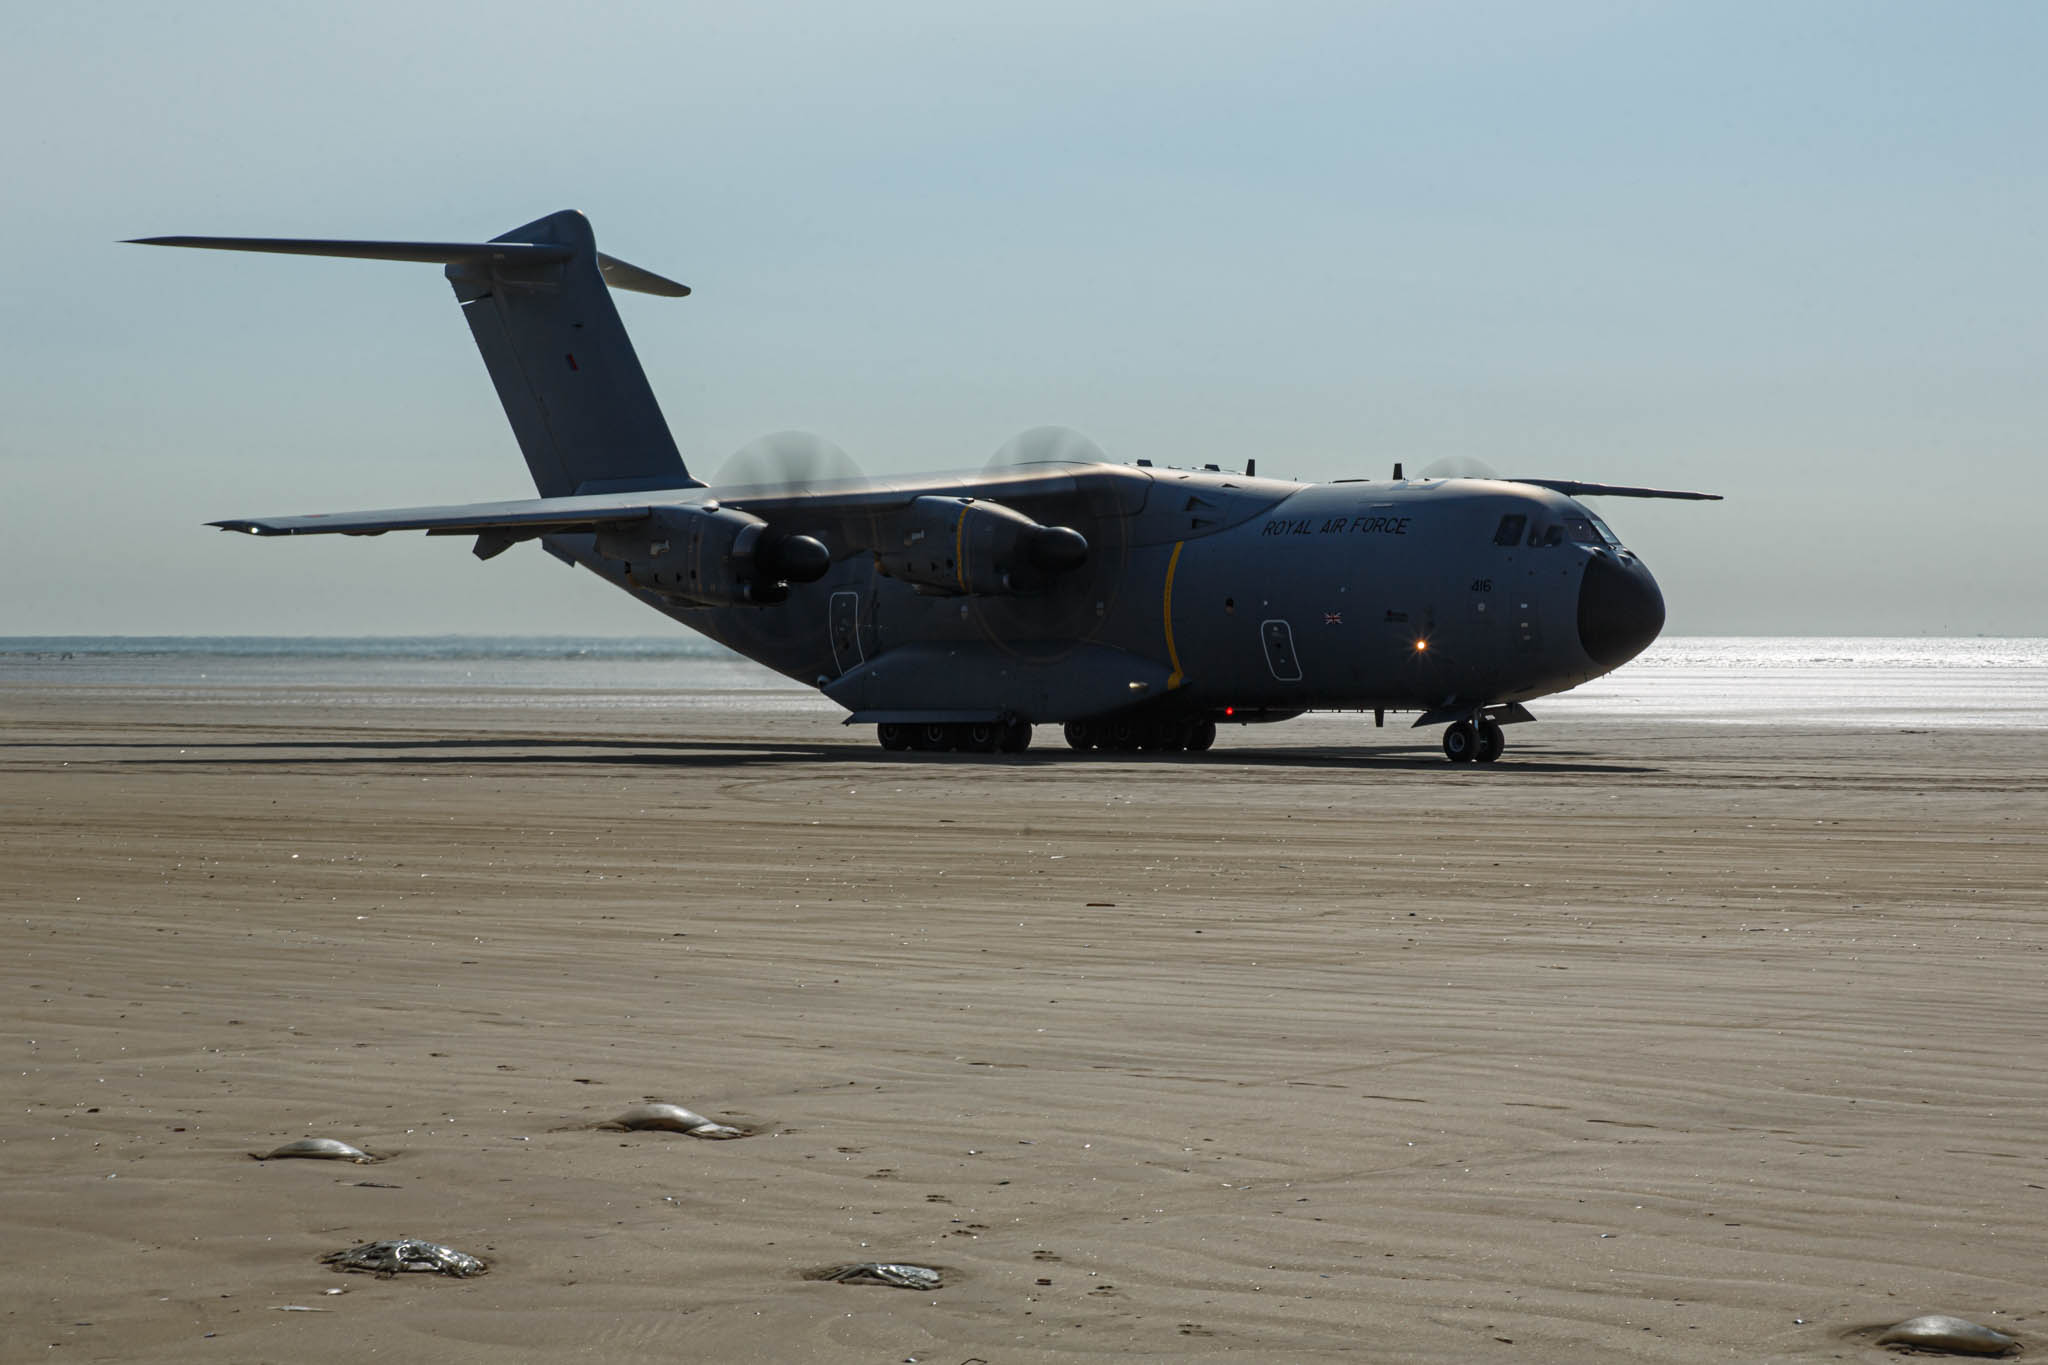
x: 1219, y: 595
x: 1139, y: 606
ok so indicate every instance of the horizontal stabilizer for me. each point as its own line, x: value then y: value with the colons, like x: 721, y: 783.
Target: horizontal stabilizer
x: 1572, y: 488
x: 536, y: 515
x: 617, y: 273
x: 438, y: 253
x: 620, y: 275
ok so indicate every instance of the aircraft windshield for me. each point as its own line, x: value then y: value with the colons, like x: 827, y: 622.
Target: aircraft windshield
x: 1590, y: 530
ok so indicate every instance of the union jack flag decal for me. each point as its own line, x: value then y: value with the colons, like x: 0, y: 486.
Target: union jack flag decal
x: 1333, y: 618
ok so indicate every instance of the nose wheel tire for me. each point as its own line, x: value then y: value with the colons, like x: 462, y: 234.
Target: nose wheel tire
x: 1467, y: 742
x: 1461, y: 742
x: 1491, y: 742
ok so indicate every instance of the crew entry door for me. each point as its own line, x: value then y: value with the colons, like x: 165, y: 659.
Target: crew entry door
x: 1280, y: 655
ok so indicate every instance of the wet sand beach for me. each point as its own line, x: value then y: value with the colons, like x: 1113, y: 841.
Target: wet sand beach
x: 1656, y: 1042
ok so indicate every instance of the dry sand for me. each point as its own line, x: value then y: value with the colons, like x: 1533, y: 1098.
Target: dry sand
x: 1650, y: 1044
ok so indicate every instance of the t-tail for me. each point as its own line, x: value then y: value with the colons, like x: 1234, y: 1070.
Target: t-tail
x: 538, y: 304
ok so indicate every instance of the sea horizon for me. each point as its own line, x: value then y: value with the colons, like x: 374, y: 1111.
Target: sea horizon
x: 1902, y: 681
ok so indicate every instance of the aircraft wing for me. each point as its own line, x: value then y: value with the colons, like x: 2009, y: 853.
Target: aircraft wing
x: 850, y: 498
x: 535, y: 515
x: 856, y: 511
x: 1572, y: 488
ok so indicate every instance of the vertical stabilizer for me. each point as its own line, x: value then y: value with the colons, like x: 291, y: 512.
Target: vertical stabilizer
x: 572, y: 387
x: 538, y: 305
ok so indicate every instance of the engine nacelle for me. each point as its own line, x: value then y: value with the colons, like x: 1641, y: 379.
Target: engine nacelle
x: 962, y: 546
x: 713, y: 556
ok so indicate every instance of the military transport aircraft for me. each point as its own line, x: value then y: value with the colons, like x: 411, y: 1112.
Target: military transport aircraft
x: 1139, y: 606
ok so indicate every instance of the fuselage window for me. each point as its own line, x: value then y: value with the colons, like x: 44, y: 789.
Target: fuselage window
x: 1510, y: 529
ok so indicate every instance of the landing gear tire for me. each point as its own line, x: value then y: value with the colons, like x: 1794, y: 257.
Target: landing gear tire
x: 935, y: 738
x: 980, y: 737
x: 895, y: 738
x: 1016, y: 737
x: 1160, y: 736
x: 1201, y: 735
x: 1491, y: 742
x: 1081, y: 736
x: 1461, y: 742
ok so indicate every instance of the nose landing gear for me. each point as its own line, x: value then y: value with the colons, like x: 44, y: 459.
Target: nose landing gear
x: 1470, y: 742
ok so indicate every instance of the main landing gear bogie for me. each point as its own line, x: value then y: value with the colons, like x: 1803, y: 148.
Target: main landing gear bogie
x: 1470, y: 742
x: 973, y: 737
x: 1130, y: 735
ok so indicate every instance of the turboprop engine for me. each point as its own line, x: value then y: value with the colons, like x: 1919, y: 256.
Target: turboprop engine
x: 713, y: 556
x: 956, y: 547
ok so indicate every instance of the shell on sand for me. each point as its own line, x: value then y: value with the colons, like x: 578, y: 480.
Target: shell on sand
x: 1940, y: 1332
x: 407, y: 1254
x: 672, y: 1118
x: 318, y: 1149
x: 895, y: 1274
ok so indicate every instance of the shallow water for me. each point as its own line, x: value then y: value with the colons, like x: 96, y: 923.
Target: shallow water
x: 1824, y: 681
x: 1917, y: 682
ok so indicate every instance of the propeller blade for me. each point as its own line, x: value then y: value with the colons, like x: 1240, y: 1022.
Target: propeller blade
x: 1457, y: 467
x: 1042, y: 444
x: 786, y: 459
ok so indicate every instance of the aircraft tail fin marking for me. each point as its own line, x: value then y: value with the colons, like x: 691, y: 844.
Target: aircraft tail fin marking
x: 537, y: 303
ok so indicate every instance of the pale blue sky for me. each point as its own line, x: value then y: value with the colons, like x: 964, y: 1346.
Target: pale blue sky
x: 1793, y: 253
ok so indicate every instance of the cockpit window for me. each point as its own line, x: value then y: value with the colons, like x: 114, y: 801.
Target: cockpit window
x: 1510, y: 530
x: 1590, y: 530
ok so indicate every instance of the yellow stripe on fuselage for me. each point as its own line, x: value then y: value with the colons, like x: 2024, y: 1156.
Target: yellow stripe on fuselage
x: 1166, y: 614
x: 960, y: 548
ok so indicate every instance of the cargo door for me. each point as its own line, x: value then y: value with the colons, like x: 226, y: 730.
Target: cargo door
x: 843, y: 621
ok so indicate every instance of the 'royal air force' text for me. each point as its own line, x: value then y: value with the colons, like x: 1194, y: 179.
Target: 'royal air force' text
x: 1357, y: 526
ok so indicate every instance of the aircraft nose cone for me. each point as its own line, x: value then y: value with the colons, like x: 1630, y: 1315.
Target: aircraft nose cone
x: 1620, y: 610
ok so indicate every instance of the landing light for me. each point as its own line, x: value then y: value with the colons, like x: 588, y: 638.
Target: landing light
x: 1422, y: 646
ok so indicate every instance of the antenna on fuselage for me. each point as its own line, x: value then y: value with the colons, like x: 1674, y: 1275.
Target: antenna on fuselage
x: 1397, y: 472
